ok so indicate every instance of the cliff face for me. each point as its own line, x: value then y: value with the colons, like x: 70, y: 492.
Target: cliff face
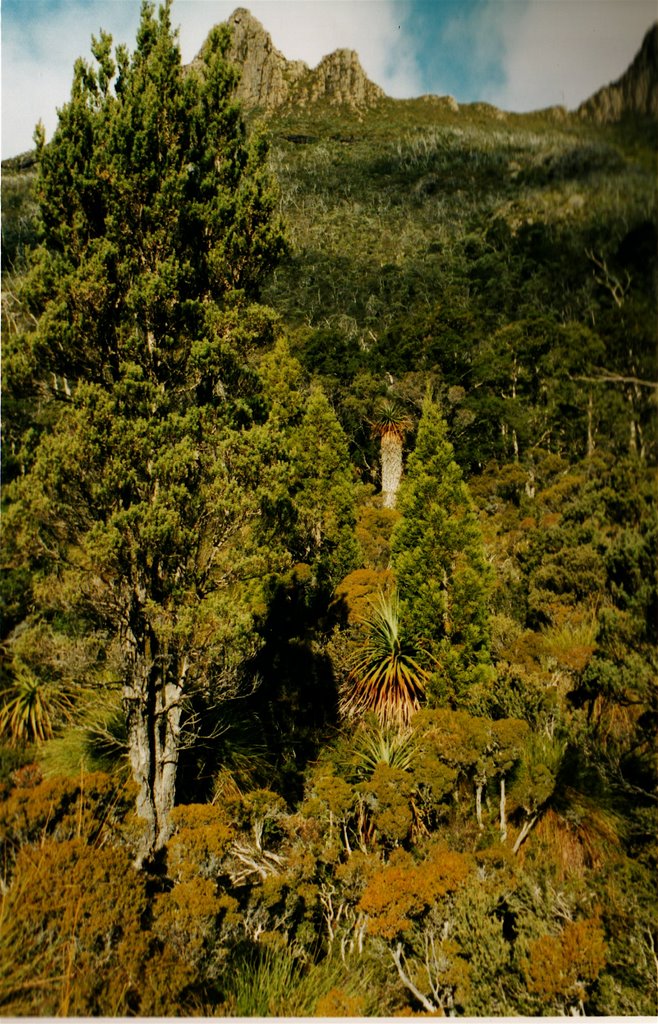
x: 635, y: 93
x: 268, y: 80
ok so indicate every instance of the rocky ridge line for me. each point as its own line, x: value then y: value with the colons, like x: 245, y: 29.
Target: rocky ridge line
x: 270, y: 81
x: 635, y: 93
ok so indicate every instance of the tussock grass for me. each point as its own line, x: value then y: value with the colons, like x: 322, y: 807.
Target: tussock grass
x: 277, y: 982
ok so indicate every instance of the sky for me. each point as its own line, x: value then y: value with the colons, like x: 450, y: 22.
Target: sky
x: 517, y: 54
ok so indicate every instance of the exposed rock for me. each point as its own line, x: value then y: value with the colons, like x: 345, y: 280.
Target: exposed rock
x: 556, y: 113
x: 340, y: 79
x: 488, y: 109
x: 445, y: 102
x: 267, y: 77
x: 635, y: 93
x: 268, y: 80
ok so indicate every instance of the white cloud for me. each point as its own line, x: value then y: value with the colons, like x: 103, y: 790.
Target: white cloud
x: 40, y: 44
x: 562, y: 51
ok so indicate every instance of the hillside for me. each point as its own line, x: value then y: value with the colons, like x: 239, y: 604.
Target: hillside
x: 418, y: 230
x: 329, y: 591
x: 390, y: 204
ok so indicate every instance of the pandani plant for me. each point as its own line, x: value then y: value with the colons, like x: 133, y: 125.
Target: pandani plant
x: 391, y: 744
x: 33, y: 708
x: 391, y: 425
x: 386, y: 678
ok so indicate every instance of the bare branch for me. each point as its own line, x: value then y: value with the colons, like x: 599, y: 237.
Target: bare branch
x: 408, y: 983
x: 608, y: 377
x: 617, y: 288
x: 524, y: 832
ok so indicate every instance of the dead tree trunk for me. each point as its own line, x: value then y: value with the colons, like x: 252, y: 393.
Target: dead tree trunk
x: 590, y: 425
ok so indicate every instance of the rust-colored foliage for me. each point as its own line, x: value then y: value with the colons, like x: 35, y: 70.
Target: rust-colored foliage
x: 581, y: 839
x: 200, y: 842
x: 359, y: 589
x: 338, y: 1003
x: 64, y: 809
x: 80, y: 912
x: 402, y: 890
x: 188, y: 918
x: 560, y: 967
x: 373, y: 532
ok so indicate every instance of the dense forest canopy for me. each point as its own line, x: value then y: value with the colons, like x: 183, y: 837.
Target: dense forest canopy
x: 330, y: 607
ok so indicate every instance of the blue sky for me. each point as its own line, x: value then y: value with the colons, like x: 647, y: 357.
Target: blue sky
x: 517, y: 54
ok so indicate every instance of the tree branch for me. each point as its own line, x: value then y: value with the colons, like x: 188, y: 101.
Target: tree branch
x: 524, y: 832
x: 408, y: 983
x: 607, y: 377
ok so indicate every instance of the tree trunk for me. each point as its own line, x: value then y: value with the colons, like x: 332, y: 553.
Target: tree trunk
x: 391, y: 456
x: 428, y: 1006
x: 632, y: 440
x: 478, y: 804
x: 590, y: 425
x: 515, y: 440
x: 503, y: 809
x: 524, y: 832
x: 153, y: 715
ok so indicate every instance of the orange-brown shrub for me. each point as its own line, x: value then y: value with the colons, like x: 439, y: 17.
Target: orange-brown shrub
x: 79, y: 913
x: 402, y: 890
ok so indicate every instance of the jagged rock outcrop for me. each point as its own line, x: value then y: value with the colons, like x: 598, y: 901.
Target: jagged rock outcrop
x: 340, y: 79
x: 635, y: 93
x: 444, y: 102
x: 268, y: 80
x: 266, y: 76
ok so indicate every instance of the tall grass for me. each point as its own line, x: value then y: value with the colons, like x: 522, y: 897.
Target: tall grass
x: 97, y: 742
x: 279, y: 983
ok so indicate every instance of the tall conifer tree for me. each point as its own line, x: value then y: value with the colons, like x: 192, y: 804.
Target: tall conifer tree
x: 143, y: 505
x: 438, y: 557
x: 323, y: 492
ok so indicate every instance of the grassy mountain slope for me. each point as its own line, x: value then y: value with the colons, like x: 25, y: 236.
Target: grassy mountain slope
x: 418, y: 231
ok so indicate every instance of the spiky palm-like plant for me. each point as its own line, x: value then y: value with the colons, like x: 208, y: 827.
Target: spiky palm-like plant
x: 391, y: 425
x: 33, y: 708
x: 386, y: 677
x: 378, y: 743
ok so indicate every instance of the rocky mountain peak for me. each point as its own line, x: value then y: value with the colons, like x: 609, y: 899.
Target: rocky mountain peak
x: 636, y: 92
x: 269, y: 80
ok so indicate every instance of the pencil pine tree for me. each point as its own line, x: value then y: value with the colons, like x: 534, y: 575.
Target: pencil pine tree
x: 323, y: 492
x: 444, y: 580
x: 141, y: 509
